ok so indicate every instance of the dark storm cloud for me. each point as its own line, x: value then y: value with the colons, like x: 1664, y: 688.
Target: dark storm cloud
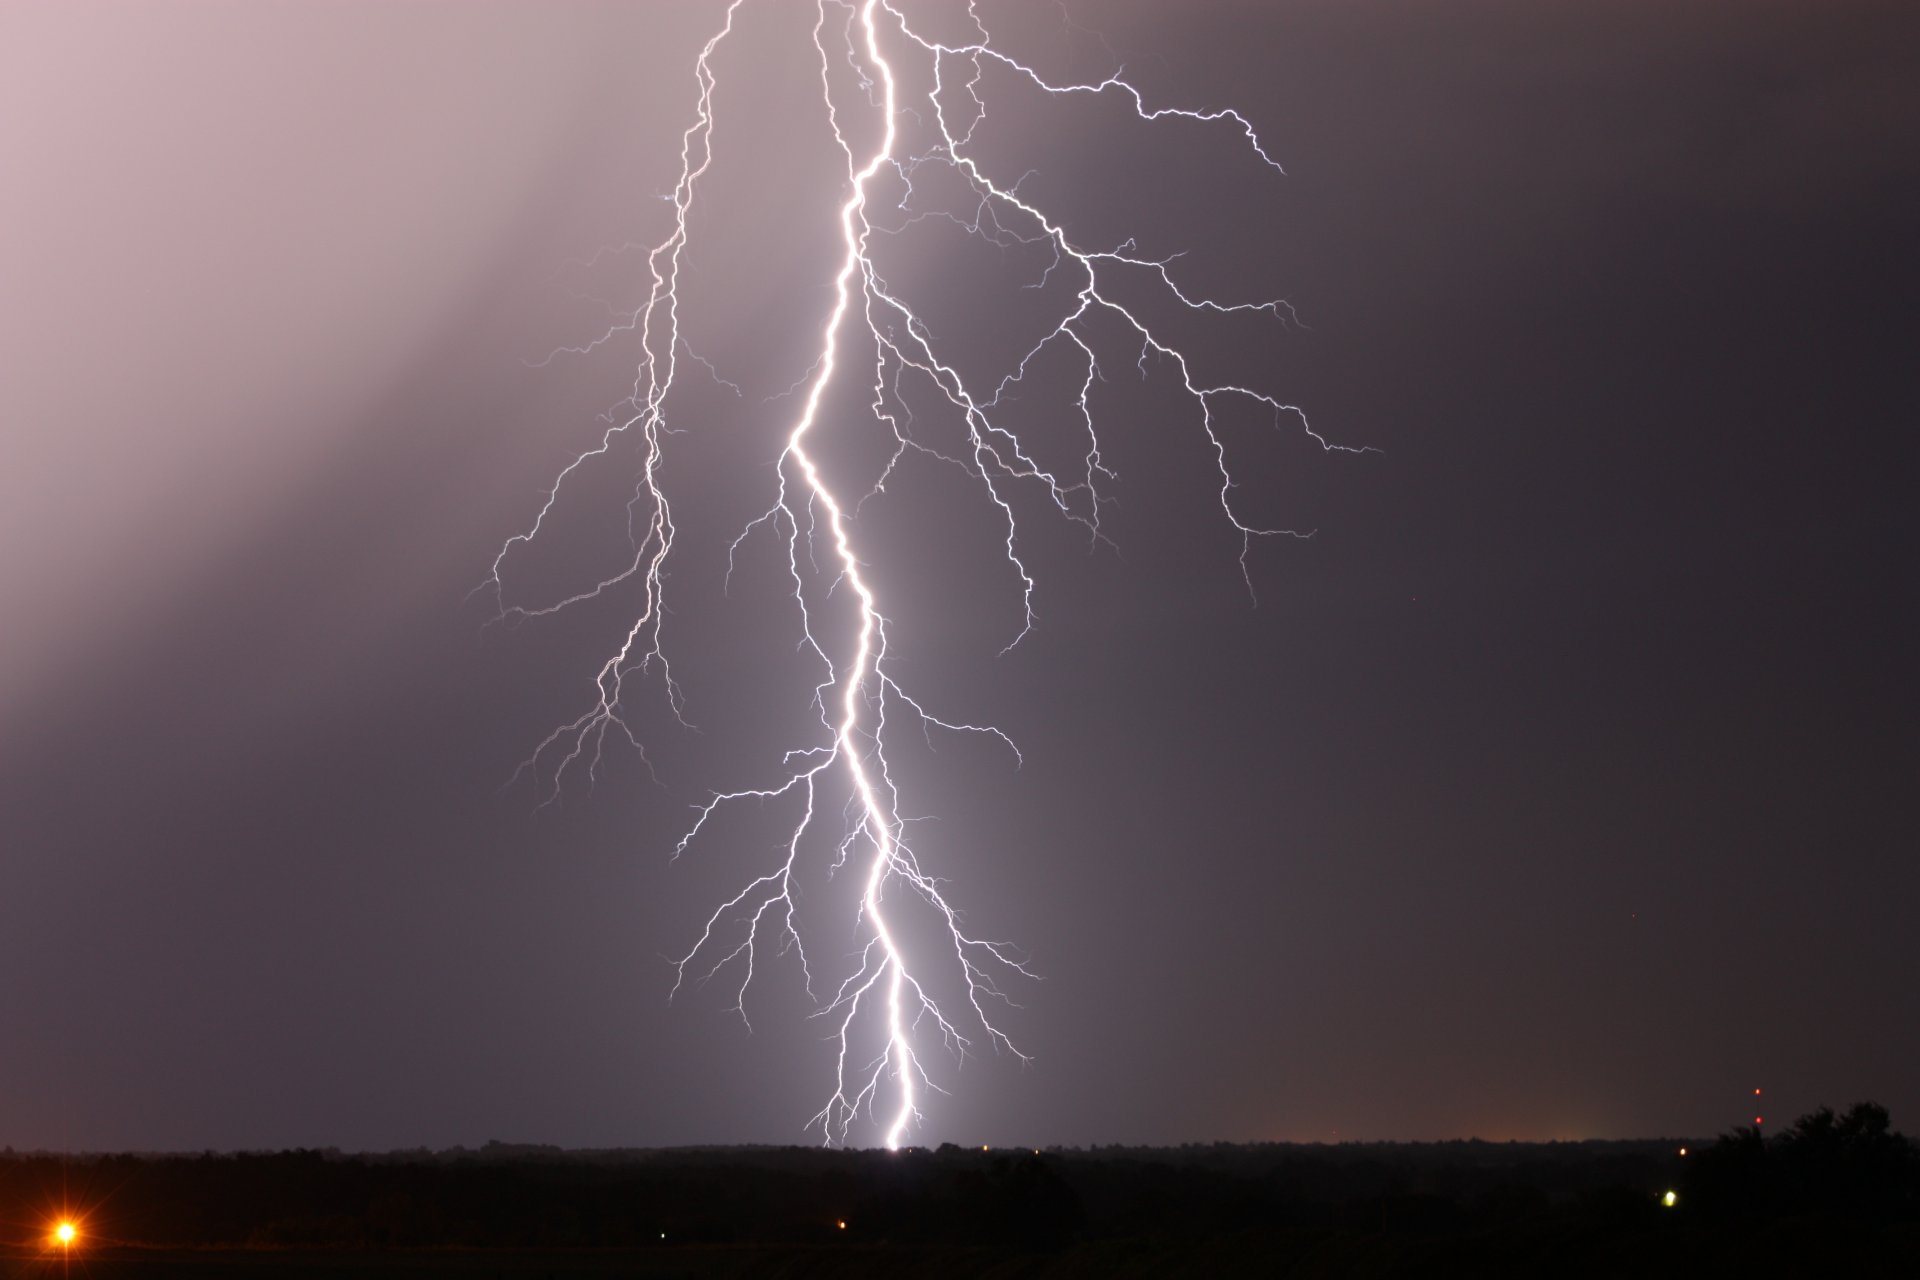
x: 1554, y: 788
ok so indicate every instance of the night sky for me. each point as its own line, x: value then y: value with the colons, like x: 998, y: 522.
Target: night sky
x: 1559, y: 786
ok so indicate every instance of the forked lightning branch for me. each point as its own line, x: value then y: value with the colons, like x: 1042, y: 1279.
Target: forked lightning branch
x: 894, y: 1039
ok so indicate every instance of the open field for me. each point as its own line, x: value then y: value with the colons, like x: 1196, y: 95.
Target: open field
x: 1579, y: 1209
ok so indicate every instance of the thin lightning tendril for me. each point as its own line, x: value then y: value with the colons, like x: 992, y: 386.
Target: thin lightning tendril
x: 884, y: 994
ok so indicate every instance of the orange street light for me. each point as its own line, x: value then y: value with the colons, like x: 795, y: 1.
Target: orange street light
x: 64, y: 1234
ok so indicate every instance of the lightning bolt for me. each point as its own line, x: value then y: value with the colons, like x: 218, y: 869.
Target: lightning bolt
x: 885, y: 997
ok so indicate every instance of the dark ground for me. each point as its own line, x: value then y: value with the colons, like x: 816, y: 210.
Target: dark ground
x: 1832, y: 1195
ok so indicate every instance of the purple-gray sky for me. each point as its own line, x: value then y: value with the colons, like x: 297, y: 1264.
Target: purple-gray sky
x: 1558, y: 787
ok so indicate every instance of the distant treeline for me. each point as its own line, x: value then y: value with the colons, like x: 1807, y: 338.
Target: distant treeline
x: 1833, y: 1194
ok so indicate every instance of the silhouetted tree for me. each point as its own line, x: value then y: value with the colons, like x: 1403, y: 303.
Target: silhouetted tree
x: 1853, y: 1164
x: 1850, y: 1166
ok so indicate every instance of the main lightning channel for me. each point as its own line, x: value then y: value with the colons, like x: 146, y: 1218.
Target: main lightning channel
x: 884, y: 997
x: 899, y: 1054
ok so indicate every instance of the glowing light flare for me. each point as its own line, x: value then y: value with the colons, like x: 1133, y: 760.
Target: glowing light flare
x: 1670, y: 1199
x: 856, y: 689
x: 65, y: 1233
